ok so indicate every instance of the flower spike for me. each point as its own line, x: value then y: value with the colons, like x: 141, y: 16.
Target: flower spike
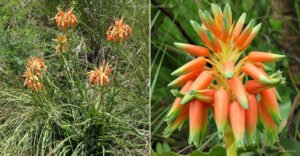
x: 240, y: 106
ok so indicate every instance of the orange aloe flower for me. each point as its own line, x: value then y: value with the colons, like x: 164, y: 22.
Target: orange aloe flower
x: 64, y: 20
x: 100, y: 76
x: 62, y: 43
x: 119, y: 30
x: 35, y: 65
x: 219, y: 72
x: 33, y: 73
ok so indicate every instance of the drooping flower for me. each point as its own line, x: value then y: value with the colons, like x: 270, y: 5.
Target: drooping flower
x: 33, y: 73
x: 64, y: 20
x: 62, y: 42
x: 100, y: 76
x: 218, y: 73
x: 119, y: 31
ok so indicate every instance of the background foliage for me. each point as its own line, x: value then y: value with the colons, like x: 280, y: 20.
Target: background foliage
x: 280, y: 33
x: 60, y: 120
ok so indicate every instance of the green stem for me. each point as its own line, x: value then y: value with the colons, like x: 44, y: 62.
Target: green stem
x: 230, y: 145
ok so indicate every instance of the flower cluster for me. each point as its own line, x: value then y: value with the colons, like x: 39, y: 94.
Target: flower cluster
x: 64, y: 20
x: 33, y: 73
x: 214, y: 80
x: 62, y: 43
x: 119, y: 30
x: 100, y: 76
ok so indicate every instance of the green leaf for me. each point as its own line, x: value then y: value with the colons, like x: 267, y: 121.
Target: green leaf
x: 291, y: 146
x: 276, y: 24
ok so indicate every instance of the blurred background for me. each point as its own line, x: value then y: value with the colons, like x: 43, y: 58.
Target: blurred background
x: 280, y: 34
x: 27, y: 29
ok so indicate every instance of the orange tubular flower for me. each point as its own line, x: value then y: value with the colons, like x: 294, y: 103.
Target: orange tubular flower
x: 202, y: 82
x: 221, y: 108
x: 119, y: 30
x: 198, y: 116
x: 177, y: 107
x: 33, y: 73
x: 238, y: 90
x: 181, y: 80
x: 178, y: 122
x: 100, y: 76
x: 256, y: 56
x: 192, y: 49
x: 218, y: 72
x: 190, y: 66
x: 255, y: 73
x: 268, y: 99
x: 254, y: 87
x: 251, y: 118
x: 64, y: 20
x: 268, y: 123
x: 237, y: 121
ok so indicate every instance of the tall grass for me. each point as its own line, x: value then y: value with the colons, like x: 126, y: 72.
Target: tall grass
x: 69, y: 116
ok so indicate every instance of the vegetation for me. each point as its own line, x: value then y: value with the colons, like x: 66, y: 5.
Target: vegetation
x: 69, y: 115
x: 279, y: 34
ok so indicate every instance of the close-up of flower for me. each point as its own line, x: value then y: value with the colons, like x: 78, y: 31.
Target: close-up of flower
x: 65, y: 19
x: 235, y: 86
x: 100, y: 76
x: 119, y: 31
x: 33, y: 73
x: 62, y: 42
